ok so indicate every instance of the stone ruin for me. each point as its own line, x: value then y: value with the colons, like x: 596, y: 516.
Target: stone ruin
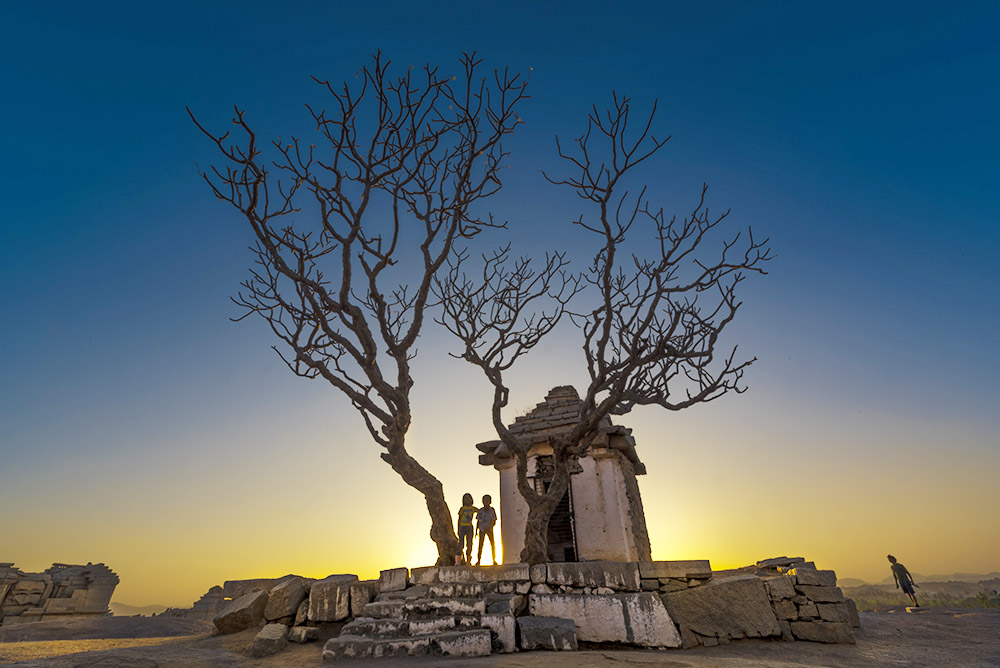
x: 61, y: 591
x: 601, y: 515
x: 601, y: 586
x: 477, y: 611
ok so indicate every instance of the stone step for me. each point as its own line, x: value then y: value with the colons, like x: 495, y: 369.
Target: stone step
x: 425, y: 607
x: 376, y: 629
x: 459, y: 643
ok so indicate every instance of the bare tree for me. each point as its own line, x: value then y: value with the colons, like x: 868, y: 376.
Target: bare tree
x: 651, y: 331
x: 350, y: 234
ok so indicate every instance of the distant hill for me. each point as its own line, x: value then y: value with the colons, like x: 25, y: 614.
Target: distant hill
x: 124, y: 610
x: 851, y: 582
x: 953, y: 577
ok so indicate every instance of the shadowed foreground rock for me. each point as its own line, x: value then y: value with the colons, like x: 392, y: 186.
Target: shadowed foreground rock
x: 551, y: 633
x: 243, y: 613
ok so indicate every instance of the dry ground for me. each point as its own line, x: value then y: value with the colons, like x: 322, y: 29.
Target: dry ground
x: 931, y: 638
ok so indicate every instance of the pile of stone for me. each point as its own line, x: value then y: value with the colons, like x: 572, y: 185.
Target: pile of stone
x: 291, y: 608
x: 462, y: 611
x: 466, y: 611
x: 781, y: 597
x: 215, y: 599
x: 64, y: 590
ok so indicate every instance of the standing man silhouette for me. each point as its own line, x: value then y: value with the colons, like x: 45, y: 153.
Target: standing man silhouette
x: 903, y: 579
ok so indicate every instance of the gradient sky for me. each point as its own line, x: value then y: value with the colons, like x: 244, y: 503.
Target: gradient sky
x: 141, y: 428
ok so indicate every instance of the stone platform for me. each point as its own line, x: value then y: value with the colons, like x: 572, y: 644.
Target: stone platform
x: 476, y: 611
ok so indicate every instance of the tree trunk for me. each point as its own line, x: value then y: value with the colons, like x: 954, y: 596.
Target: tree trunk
x: 416, y: 476
x: 536, y: 527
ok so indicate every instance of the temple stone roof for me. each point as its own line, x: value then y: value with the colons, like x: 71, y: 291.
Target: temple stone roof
x: 555, y: 417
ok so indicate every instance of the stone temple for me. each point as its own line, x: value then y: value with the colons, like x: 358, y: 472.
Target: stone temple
x: 601, y: 516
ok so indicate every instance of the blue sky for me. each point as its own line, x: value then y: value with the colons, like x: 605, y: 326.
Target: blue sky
x: 862, y: 138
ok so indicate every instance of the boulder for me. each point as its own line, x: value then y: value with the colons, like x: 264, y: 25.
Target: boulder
x: 330, y: 598
x: 243, y: 613
x: 271, y: 640
x: 284, y: 599
x: 620, y: 576
x: 301, y: 634
x: 827, y: 632
x: 634, y: 618
x: 394, y: 579
x: 732, y: 607
x: 696, y: 568
x: 553, y: 633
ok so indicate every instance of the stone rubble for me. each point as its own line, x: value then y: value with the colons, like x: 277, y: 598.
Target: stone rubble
x: 467, y: 611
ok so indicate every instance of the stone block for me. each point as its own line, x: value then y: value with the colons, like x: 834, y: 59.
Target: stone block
x: 808, y: 611
x: 284, y: 599
x: 853, y: 618
x: 401, y: 647
x: 538, y: 573
x: 620, y: 576
x: 448, y: 606
x: 394, y: 579
x: 541, y: 588
x: 503, y: 573
x: 385, y: 609
x: 376, y: 628
x: 780, y: 561
x: 672, y: 584
x: 785, y: 610
x: 462, y: 643
x: 460, y: 590
x: 809, y: 576
x: 786, y: 631
x: 301, y: 634
x: 330, y: 598
x: 779, y: 587
x: 649, y: 585
x: 271, y: 640
x: 408, y: 594
x: 551, y: 633
x: 696, y: 568
x: 819, y: 594
x: 427, y: 626
x: 501, y: 632
x: 347, y: 647
x: 833, y: 612
x: 362, y: 593
x: 732, y: 607
x: 243, y: 613
x: 826, y: 632
x: 634, y: 618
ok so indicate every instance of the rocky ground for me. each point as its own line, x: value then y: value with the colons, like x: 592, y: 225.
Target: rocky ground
x: 930, y: 638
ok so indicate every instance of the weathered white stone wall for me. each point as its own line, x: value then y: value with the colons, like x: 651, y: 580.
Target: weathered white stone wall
x: 513, y: 514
